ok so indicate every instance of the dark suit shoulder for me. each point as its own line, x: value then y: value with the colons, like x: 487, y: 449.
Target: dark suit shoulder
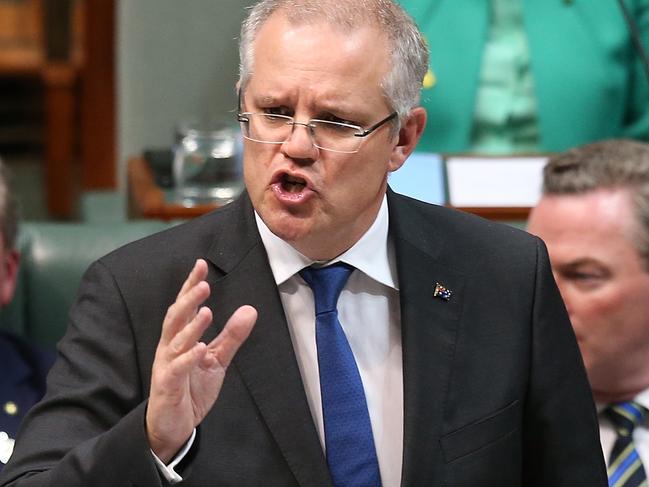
x: 182, y: 244
x: 460, y: 238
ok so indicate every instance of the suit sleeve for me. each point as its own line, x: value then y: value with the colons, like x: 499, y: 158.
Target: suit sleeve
x: 89, y: 428
x: 561, y: 443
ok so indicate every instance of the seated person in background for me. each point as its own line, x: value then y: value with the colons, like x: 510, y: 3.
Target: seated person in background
x: 509, y: 76
x: 594, y: 218
x: 23, y: 367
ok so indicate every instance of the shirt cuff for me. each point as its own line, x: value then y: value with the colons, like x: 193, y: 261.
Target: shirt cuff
x: 167, y: 471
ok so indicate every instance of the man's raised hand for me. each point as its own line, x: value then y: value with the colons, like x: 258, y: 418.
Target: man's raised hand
x: 187, y: 373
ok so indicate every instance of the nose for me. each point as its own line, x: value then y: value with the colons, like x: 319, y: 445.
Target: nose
x: 299, y: 144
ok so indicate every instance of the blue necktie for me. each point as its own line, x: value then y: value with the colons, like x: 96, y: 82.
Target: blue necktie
x: 625, y: 467
x: 351, y: 455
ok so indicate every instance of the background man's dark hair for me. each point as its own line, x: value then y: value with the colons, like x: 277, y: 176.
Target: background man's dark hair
x: 610, y: 164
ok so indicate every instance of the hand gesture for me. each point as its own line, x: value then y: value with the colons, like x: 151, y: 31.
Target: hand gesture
x: 187, y: 374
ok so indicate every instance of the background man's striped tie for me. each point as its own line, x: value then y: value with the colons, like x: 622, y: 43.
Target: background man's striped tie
x: 625, y: 467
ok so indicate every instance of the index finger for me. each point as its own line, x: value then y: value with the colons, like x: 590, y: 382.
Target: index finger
x: 196, y: 275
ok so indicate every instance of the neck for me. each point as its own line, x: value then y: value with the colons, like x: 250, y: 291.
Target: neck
x: 609, y: 397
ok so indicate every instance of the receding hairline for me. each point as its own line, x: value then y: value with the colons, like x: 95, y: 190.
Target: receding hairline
x: 376, y: 36
x: 606, y: 165
x: 343, y: 15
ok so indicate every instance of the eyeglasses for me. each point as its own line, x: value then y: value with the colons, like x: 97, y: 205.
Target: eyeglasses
x: 269, y: 128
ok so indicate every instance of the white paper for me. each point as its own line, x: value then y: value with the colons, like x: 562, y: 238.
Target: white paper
x: 494, y: 181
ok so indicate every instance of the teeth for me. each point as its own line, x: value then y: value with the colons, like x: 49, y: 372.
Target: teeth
x: 290, y: 179
x: 293, y: 185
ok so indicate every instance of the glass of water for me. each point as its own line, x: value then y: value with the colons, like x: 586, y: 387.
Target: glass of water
x: 207, y: 165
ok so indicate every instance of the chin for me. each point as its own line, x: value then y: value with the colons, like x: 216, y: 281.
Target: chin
x: 288, y: 227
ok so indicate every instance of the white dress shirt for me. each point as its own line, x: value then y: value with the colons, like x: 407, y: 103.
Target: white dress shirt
x: 368, y: 309
x: 369, y: 312
x: 608, y: 435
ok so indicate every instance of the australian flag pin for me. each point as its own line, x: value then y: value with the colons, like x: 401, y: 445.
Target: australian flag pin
x: 442, y: 292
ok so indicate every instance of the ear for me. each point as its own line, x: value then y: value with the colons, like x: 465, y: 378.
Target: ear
x: 409, y: 134
x: 8, y: 276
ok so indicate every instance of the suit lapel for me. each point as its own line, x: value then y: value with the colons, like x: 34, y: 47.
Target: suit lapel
x: 429, y: 328
x: 266, y: 362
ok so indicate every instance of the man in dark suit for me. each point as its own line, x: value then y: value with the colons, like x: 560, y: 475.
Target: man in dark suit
x: 594, y: 218
x: 458, y: 363
x: 23, y: 365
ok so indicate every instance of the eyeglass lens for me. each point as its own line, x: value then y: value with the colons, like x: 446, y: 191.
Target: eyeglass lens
x: 276, y: 129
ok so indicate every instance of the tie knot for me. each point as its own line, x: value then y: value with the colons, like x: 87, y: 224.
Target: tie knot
x: 626, y: 416
x: 326, y: 284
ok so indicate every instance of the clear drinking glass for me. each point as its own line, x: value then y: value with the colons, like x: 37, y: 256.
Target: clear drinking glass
x: 207, y: 164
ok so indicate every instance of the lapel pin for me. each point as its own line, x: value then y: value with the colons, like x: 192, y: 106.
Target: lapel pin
x: 442, y: 292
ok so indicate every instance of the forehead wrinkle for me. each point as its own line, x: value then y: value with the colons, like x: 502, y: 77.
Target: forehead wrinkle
x: 268, y: 99
x: 334, y: 102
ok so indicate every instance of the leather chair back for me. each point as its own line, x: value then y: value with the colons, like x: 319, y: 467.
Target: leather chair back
x: 54, y: 257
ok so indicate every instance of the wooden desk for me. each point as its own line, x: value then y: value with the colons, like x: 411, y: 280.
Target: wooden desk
x: 501, y: 213
x: 147, y: 200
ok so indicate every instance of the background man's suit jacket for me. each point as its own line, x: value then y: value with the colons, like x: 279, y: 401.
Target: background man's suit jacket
x: 23, y: 368
x: 495, y: 392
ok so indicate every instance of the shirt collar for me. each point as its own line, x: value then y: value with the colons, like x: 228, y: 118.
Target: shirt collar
x: 643, y: 399
x: 373, y: 254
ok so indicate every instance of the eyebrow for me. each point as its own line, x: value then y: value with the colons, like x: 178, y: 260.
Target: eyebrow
x: 333, y: 106
x: 582, y: 261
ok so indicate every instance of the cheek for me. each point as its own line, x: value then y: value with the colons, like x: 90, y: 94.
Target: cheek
x: 353, y: 188
x: 256, y: 163
x: 590, y: 309
x: 364, y: 174
x: 592, y: 320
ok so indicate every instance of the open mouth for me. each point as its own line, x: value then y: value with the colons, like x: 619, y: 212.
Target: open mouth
x: 292, y: 184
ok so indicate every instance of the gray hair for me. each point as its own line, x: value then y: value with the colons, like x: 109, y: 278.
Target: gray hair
x: 408, y: 51
x: 610, y: 164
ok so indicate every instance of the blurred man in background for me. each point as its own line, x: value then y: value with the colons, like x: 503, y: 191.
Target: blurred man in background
x: 594, y: 218
x: 23, y: 366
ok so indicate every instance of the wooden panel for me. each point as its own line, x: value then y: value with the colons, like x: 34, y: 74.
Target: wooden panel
x: 21, y: 37
x: 508, y: 213
x: 23, y: 52
x: 60, y: 127
x: 98, y: 140
x: 20, y: 22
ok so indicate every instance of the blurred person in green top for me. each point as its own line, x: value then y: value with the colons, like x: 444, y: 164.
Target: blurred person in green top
x: 524, y: 76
